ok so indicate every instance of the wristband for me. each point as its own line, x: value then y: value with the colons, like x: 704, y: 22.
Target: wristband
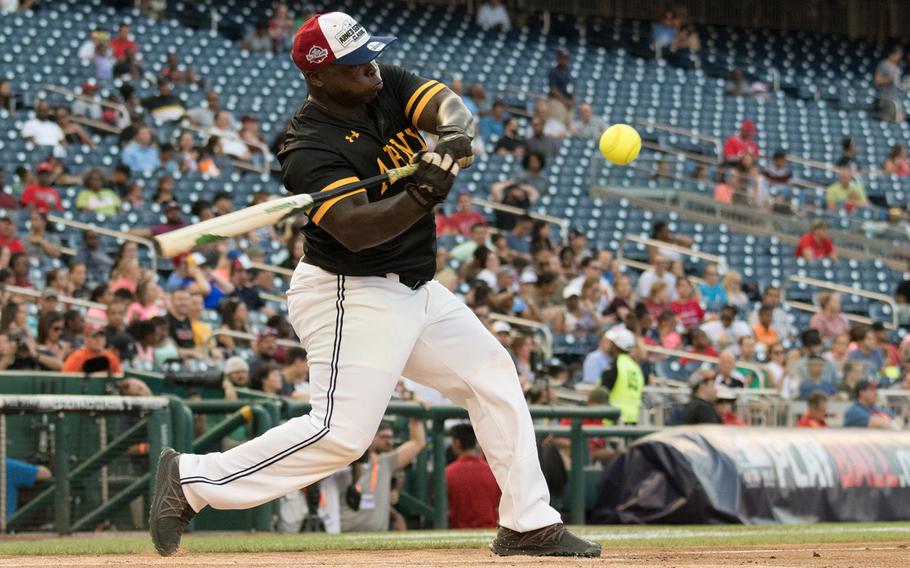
x: 420, y: 196
x: 447, y: 129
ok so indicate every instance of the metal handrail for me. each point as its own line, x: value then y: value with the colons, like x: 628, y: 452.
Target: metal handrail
x: 153, y: 254
x: 272, y: 268
x: 713, y: 258
x: 121, y: 109
x: 19, y: 290
x: 519, y: 211
x: 245, y: 336
x: 266, y: 166
x: 718, y: 146
x: 535, y: 325
x: 883, y: 298
x: 676, y: 353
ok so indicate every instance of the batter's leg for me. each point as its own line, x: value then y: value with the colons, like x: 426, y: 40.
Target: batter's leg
x: 456, y: 355
x: 358, y: 333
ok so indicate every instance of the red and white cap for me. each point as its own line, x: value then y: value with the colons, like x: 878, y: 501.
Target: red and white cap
x: 335, y: 38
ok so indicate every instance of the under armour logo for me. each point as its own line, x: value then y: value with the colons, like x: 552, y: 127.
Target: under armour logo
x: 354, y: 135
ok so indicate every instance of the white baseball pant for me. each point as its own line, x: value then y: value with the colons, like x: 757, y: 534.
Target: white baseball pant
x: 362, y: 334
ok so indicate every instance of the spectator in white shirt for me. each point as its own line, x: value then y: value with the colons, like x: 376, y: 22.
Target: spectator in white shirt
x: 552, y: 128
x: 725, y: 332
x: 588, y: 125
x: 659, y: 271
x: 42, y: 130
x: 493, y: 14
x: 231, y: 143
x: 86, y: 53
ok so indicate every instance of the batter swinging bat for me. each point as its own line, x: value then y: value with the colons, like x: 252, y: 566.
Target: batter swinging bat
x: 269, y: 213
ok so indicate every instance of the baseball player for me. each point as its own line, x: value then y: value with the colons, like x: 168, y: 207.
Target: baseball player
x: 366, y: 307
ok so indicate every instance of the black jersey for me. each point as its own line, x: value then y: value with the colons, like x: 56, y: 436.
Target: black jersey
x: 324, y: 151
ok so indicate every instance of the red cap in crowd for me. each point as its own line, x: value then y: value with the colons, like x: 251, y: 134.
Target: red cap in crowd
x: 44, y: 167
x: 748, y: 126
x: 92, y: 329
x: 335, y: 37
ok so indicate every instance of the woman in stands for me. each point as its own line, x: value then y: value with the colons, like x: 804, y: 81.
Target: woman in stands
x: 187, y: 154
x: 837, y: 354
x: 829, y: 322
x: 164, y: 192
x: 234, y: 317
x: 711, y: 290
x: 294, y: 250
x: 541, y: 238
x: 621, y: 305
x: 661, y: 232
x: 75, y: 283
x: 56, y: 278
x: 126, y: 274
x: 51, y: 349
x: 733, y: 288
x: 146, y: 306
x: 101, y: 294
x: 522, y: 347
x: 658, y: 300
x: 37, y: 241
x: 73, y: 133
x: 897, y: 163
x: 687, y: 304
x: 14, y: 324
x: 776, y: 366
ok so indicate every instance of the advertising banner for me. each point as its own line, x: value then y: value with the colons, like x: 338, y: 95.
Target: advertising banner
x: 726, y: 474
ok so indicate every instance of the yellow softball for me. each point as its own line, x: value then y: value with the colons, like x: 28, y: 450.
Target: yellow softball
x: 620, y: 144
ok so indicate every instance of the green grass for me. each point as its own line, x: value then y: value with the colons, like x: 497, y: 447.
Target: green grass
x: 611, y: 536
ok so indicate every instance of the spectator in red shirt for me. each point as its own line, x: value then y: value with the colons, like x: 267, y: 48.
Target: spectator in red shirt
x: 701, y: 345
x: 816, y: 243
x: 726, y: 399
x: 123, y: 43
x: 41, y: 195
x: 8, y: 238
x: 465, y: 217
x: 816, y: 410
x: 741, y: 143
x: 472, y: 489
x: 686, y: 305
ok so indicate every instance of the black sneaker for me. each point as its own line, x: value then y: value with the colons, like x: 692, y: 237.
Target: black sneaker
x: 554, y: 540
x: 169, y: 512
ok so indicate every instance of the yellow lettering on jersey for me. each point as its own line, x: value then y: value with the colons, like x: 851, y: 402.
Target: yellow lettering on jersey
x: 397, y: 159
x: 402, y: 144
x: 382, y: 169
x: 422, y: 145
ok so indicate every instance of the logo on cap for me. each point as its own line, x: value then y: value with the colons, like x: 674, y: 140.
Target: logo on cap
x: 352, y: 31
x: 375, y: 46
x: 317, y: 55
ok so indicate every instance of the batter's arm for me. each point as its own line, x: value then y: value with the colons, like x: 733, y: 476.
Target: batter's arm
x: 355, y: 222
x: 446, y: 115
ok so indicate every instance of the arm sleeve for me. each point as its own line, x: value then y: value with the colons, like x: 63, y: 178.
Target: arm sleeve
x: 308, y: 170
x: 413, y: 92
x: 608, y: 378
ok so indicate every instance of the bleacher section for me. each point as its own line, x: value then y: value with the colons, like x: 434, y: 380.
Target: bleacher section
x: 40, y: 48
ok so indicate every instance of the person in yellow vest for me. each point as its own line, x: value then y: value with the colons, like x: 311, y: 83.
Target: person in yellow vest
x: 624, y: 378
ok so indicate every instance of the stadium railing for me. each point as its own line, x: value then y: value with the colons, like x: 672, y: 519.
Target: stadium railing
x: 70, y: 96
x: 699, y: 208
x: 35, y: 294
x: 847, y: 290
x: 713, y: 140
x: 685, y: 251
x: 148, y: 243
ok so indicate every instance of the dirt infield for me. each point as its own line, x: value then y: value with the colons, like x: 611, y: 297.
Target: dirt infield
x: 816, y: 556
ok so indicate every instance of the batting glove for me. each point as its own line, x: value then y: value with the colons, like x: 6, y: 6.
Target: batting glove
x: 454, y: 141
x: 433, y: 179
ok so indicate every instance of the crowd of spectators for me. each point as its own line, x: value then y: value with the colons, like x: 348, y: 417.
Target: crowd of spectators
x: 211, y: 309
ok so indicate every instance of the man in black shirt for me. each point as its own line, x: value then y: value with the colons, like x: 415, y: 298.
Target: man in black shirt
x: 365, y: 306
x: 700, y: 408
x: 179, y: 326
